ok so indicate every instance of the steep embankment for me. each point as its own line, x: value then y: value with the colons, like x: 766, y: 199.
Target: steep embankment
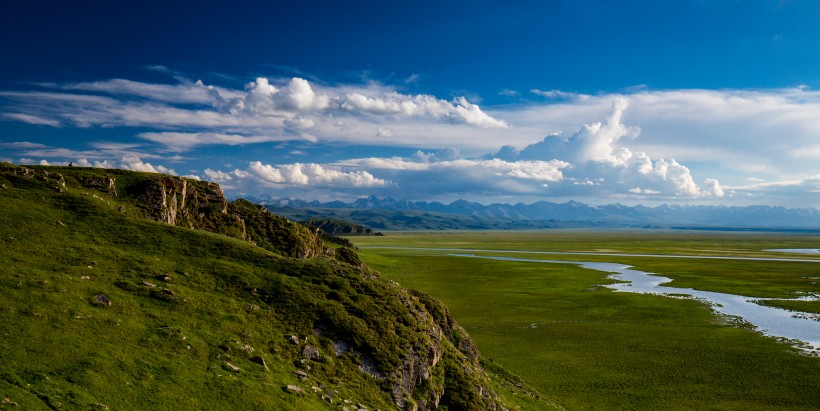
x: 103, y: 307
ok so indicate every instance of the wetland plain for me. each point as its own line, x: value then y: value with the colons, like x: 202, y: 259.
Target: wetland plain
x: 581, y: 344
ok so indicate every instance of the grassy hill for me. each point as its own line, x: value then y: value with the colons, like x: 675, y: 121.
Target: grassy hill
x: 126, y: 290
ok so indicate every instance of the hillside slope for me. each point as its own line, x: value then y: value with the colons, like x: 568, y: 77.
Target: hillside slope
x: 213, y: 305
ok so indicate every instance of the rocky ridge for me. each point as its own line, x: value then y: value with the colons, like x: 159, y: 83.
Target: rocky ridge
x: 405, y: 340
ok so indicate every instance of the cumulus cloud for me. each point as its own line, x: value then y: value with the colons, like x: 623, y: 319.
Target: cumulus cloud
x: 221, y: 176
x: 136, y: 164
x: 266, y: 99
x: 596, y: 156
x: 291, y: 110
x: 458, y: 111
x: 726, y: 135
x: 310, y: 174
x: 298, y: 97
x: 528, y: 170
x: 83, y: 162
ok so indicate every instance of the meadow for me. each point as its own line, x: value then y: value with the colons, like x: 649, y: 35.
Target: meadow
x: 105, y: 309
x: 584, y: 346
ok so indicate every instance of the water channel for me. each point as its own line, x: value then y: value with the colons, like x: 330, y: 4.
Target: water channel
x: 800, y: 329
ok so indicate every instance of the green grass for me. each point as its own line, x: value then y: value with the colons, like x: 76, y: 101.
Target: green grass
x: 148, y: 350
x: 584, y: 346
x: 188, y: 306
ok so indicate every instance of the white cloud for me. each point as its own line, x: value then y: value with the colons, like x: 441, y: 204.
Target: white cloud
x: 136, y: 164
x: 83, y: 162
x: 32, y: 119
x: 684, y: 136
x: 178, y: 93
x: 299, y: 123
x: 22, y: 145
x: 221, y: 176
x: 266, y: 99
x: 286, y: 111
x: 384, y: 132
x: 596, y: 154
x: 712, y: 187
x: 556, y: 94
x: 310, y: 174
x: 185, y: 141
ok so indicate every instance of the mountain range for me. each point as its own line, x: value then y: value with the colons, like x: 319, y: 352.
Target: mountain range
x: 547, y: 214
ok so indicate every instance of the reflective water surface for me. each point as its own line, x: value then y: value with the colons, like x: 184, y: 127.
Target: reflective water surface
x: 795, y: 250
x: 770, y: 321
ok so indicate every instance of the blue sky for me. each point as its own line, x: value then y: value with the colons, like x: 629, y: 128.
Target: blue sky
x: 637, y: 102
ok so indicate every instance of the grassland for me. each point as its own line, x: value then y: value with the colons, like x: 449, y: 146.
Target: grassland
x: 585, y: 346
x: 200, y: 320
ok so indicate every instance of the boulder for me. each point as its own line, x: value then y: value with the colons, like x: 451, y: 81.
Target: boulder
x: 102, y: 299
x: 311, y: 352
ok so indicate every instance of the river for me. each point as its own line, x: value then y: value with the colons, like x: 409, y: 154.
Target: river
x: 772, y: 321
x: 801, y: 329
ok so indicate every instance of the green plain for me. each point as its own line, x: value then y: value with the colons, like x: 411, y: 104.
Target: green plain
x: 584, y: 346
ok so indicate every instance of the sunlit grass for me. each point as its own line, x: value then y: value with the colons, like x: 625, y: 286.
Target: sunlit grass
x: 588, y: 347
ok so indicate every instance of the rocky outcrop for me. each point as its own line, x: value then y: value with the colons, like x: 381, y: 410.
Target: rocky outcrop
x: 202, y: 205
x: 442, y: 363
x: 277, y: 233
x: 404, y: 342
x: 102, y: 184
x: 53, y: 179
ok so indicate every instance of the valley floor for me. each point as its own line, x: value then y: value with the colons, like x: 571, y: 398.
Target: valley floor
x: 583, y: 345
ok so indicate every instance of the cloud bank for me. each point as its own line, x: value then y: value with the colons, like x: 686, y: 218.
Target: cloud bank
x: 666, y: 145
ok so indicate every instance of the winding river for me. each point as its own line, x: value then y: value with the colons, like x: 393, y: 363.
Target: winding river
x: 799, y: 328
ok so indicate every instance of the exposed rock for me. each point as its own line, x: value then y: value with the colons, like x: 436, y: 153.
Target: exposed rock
x: 419, y: 354
x: 294, y: 389
x: 276, y: 233
x: 58, y: 222
x: 202, y: 205
x: 149, y: 285
x: 7, y: 401
x: 301, y: 374
x: 368, y: 366
x: 102, y: 299
x: 311, y: 352
x: 103, y: 184
x: 340, y: 347
x: 55, y: 180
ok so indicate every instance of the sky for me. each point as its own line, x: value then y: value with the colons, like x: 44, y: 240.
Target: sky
x: 632, y: 102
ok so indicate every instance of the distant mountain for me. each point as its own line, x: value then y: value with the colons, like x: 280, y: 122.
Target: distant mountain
x: 545, y: 213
